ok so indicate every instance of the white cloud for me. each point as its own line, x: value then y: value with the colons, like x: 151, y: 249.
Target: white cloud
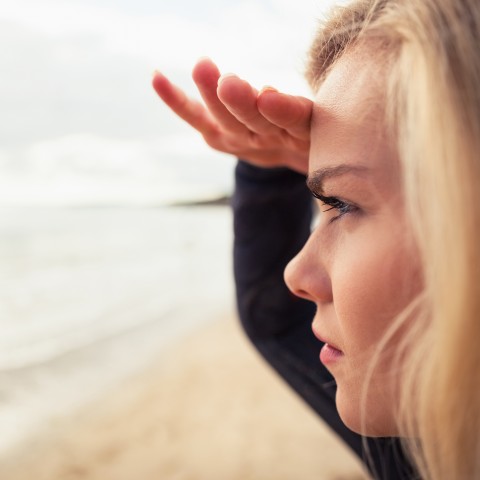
x: 85, y: 170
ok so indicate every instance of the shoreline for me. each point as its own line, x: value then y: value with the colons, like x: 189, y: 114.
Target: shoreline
x: 207, y: 407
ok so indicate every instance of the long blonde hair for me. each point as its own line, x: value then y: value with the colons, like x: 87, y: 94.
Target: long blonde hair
x: 433, y: 104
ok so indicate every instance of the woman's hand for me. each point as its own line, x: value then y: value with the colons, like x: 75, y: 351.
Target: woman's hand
x: 266, y: 128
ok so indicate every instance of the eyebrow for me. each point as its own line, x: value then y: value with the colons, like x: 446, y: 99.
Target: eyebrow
x: 316, y: 179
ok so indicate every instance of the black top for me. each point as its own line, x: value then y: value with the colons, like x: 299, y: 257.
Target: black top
x: 272, y: 217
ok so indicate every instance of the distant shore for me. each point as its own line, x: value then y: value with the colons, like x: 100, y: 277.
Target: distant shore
x: 221, y: 201
x: 209, y: 408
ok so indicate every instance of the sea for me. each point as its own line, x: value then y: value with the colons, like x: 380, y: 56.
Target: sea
x: 89, y: 296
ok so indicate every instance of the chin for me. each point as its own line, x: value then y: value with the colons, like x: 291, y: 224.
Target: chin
x: 374, y: 419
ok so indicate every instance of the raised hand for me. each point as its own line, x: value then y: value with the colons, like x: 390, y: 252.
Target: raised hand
x: 266, y: 128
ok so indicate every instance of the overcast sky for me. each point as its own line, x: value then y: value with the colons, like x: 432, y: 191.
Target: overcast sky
x: 75, y: 95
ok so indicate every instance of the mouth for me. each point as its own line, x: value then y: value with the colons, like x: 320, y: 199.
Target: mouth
x: 329, y: 353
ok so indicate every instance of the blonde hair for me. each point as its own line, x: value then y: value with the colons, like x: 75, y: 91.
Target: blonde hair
x: 433, y: 104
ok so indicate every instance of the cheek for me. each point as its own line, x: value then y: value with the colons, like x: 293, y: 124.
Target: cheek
x: 372, y: 283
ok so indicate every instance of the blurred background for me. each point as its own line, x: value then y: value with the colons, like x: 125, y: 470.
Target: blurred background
x: 100, y: 267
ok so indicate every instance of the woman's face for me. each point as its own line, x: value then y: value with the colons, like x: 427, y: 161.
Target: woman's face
x: 359, y: 265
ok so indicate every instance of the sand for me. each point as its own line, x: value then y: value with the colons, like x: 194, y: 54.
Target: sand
x: 208, y: 409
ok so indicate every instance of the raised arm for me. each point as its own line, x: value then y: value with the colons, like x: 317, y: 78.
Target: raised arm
x: 272, y: 215
x: 266, y: 128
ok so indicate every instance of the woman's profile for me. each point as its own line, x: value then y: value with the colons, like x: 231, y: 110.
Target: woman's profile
x: 386, y: 283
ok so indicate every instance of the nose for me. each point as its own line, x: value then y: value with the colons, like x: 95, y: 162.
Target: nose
x: 306, y: 275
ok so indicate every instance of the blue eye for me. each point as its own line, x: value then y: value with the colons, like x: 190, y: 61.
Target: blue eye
x: 333, y: 203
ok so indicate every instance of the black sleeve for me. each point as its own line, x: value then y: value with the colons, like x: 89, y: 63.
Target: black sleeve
x: 272, y: 220
x: 272, y: 217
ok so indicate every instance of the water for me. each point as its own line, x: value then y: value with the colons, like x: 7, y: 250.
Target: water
x: 88, y: 296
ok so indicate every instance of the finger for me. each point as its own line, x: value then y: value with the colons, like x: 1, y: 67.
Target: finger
x: 205, y: 75
x: 193, y: 112
x: 292, y: 113
x: 240, y: 98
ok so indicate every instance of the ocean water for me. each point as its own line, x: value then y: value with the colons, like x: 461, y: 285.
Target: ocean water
x: 91, y: 295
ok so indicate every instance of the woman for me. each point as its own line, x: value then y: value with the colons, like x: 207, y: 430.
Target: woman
x: 392, y: 265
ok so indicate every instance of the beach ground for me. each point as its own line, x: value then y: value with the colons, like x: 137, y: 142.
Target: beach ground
x: 208, y: 409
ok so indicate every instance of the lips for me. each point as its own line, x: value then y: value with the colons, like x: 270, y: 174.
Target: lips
x: 330, y: 353
x: 325, y: 340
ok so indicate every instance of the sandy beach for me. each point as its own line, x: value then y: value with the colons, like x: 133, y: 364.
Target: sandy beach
x: 208, y: 408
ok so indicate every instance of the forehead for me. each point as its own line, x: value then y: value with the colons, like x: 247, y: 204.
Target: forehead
x: 348, y: 122
x: 355, y: 82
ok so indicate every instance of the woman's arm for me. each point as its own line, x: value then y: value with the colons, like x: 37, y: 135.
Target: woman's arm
x: 272, y: 216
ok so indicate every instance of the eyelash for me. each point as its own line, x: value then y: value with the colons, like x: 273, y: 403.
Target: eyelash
x: 335, y: 204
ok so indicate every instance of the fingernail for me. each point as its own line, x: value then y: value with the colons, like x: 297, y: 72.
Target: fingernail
x: 226, y: 75
x: 156, y: 73
x: 267, y: 88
